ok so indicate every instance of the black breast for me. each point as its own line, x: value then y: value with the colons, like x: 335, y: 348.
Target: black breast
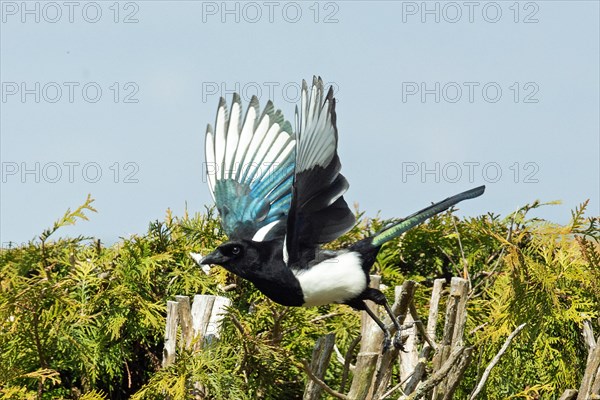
x: 283, y: 289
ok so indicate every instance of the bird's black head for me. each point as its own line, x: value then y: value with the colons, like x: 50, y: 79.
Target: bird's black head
x: 262, y: 264
x: 241, y: 257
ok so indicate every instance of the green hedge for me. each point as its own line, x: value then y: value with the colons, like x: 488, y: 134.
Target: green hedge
x: 81, y: 320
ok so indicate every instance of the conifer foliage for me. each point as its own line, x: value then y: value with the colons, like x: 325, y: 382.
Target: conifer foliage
x: 80, y: 320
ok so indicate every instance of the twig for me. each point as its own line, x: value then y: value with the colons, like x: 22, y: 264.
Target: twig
x: 322, y: 317
x: 493, y: 270
x: 392, y: 390
x: 495, y: 360
x: 588, y: 335
x: 456, y: 374
x: 403, y: 298
x: 128, y: 374
x: 569, y: 394
x: 512, y: 223
x: 437, y: 376
x: 338, y: 354
x: 318, y: 365
x: 434, y: 304
x: 347, y: 364
x: 462, y: 254
x: 449, y: 258
x: 229, y: 287
x: 478, y: 327
x: 237, y: 324
x: 319, y: 382
x: 419, y: 325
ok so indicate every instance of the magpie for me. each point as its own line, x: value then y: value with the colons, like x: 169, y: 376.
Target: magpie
x: 279, y: 193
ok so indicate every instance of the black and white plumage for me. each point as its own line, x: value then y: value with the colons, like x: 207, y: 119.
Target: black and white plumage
x: 280, y: 197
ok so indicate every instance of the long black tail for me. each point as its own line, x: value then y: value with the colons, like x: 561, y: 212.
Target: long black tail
x: 415, y: 219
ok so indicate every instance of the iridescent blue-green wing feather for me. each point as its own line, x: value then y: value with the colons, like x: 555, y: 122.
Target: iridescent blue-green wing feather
x: 250, y: 166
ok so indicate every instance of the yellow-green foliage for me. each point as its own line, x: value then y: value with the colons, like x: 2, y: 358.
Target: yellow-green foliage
x: 82, y: 320
x: 549, y: 280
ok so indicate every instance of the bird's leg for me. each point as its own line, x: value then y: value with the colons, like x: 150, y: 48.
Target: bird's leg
x: 398, y: 335
x: 386, y: 331
x: 379, y: 298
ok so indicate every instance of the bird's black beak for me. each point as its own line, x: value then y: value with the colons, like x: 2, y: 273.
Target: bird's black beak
x: 214, y: 258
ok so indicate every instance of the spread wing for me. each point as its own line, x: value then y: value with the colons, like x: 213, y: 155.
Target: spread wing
x: 250, y: 168
x: 318, y: 213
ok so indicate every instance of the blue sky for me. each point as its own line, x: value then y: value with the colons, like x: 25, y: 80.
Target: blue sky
x: 434, y: 98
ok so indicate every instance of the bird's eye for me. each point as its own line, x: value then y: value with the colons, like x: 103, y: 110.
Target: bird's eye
x: 235, y: 250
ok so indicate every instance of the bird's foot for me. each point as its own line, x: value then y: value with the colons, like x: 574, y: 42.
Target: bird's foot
x: 387, y: 342
x: 398, y: 341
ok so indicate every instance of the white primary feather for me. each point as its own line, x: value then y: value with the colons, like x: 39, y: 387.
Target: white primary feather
x: 250, y: 164
x: 240, y: 151
x: 261, y: 152
x: 211, y: 165
x: 276, y: 149
x: 332, y: 281
x: 233, y: 133
x: 245, y: 136
x: 285, y: 152
x: 317, y: 142
x: 220, y: 139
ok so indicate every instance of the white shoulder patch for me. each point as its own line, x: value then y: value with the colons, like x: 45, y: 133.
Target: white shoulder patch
x: 286, y: 256
x: 261, y: 234
x: 332, y: 281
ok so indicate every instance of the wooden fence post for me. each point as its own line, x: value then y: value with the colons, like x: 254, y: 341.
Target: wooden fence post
x: 453, y: 330
x: 170, y: 333
x: 370, y: 347
x: 185, y: 321
x: 200, y: 323
x: 403, y: 298
x: 318, y: 365
x: 590, y: 383
x: 207, y: 313
x: 430, y: 331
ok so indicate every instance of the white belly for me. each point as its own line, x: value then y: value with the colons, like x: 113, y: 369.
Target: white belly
x: 332, y: 281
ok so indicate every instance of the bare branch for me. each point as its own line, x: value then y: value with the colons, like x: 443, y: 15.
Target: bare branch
x: 318, y: 365
x: 569, y: 394
x: 322, y: 317
x: 456, y: 374
x: 590, y: 383
x: 462, y: 254
x: 170, y: 333
x: 434, y: 305
x: 392, y: 390
x: 347, y: 359
x: 419, y: 325
x: 437, y: 376
x: 455, y: 265
x: 495, y: 360
x: 478, y: 327
x: 497, y: 263
x: 228, y: 288
x: 588, y: 335
x: 366, y: 363
x: 319, y: 382
x: 238, y: 324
